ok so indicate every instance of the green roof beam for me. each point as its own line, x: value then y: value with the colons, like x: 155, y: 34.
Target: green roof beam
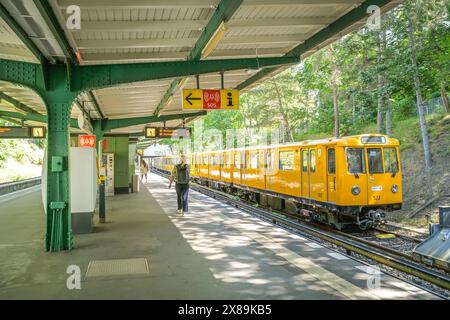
x: 45, y: 9
x: 84, y: 78
x: 17, y: 104
x: 96, y: 105
x: 101, y: 76
x: 36, y: 117
x: 19, y: 123
x: 110, y: 124
x: 223, y: 13
x: 83, y: 110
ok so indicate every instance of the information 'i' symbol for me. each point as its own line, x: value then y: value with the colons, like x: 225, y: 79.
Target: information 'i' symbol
x: 230, y: 99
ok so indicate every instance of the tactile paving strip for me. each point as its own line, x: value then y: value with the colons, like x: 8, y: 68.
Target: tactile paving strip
x: 117, y: 267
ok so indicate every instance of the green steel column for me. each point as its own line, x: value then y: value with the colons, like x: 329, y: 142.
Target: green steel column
x: 59, y: 233
x: 58, y: 100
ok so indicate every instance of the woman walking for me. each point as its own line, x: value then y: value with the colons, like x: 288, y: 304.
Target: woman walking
x: 180, y: 174
x: 144, y: 170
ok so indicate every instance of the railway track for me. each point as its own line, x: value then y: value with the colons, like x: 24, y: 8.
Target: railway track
x: 9, y: 187
x: 350, y: 243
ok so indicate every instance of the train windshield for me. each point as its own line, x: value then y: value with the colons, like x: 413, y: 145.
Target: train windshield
x: 390, y: 160
x: 355, y: 160
x: 375, y: 160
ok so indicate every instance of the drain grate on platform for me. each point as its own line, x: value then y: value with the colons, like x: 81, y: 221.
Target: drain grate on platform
x: 117, y: 267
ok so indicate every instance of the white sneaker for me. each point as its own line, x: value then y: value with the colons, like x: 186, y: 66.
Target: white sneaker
x: 180, y: 211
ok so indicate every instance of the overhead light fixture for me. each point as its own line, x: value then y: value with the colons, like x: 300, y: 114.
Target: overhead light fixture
x: 183, y: 82
x: 214, y: 41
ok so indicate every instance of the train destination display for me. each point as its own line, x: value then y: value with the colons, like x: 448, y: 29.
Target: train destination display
x: 15, y: 132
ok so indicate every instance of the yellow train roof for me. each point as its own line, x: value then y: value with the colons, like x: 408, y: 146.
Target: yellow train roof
x: 357, y: 140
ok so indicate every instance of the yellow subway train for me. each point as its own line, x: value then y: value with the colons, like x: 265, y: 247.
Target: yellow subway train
x: 339, y: 181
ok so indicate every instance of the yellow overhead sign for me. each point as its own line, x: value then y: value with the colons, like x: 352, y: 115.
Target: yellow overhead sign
x: 210, y: 99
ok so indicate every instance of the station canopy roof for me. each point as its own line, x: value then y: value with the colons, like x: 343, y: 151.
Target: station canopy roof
x: 133, y: 31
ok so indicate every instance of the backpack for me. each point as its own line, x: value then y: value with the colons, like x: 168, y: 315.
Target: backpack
x: 182, y: 174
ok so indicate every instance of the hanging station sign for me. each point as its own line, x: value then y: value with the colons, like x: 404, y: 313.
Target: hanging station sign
x: 210, y: 99
x: 164, y: 132
x: 11, y: 132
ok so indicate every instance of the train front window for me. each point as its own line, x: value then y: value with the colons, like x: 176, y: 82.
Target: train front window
x: 390, y: 160
x: 355, y: 160
x: 375, y: 160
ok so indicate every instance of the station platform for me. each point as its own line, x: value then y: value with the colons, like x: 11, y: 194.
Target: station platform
x: 147, y: 251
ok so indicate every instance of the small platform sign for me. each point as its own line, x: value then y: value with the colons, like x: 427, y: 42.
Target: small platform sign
x: 155, y: 132
x: 210, y: 99
x: 86, y: 141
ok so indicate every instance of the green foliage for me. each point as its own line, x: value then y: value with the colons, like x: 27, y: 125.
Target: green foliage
x: 363, y: 65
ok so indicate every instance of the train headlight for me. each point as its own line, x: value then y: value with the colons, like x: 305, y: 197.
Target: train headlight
x: 356, y: 190
x: 394, y: 188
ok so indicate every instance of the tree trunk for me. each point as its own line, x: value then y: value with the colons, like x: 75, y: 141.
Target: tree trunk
x: 284, y: 115
x: 444, y: 97
x: 353, y: 110
x: 334, y: 85
x: 381, y: 96
x: 336, y: 110
x: 417, y: 84
x: 388, y: 122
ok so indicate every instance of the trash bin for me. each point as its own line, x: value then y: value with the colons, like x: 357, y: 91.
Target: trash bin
x: 135, y: 183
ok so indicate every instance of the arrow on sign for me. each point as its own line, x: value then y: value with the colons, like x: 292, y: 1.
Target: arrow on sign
x: 189, y: 99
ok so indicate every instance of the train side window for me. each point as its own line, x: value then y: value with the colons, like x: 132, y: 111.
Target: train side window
x: 390, y: 160
x: 227, y: 159
x: 355, y: 160
x: 312, y: 160
x: 286, y: 160
x: 305, y: 160
x: 375, y: 160
x: 254, y: 160
x: 236, y: 160
x: 205, y: 160
x: 331, y: 161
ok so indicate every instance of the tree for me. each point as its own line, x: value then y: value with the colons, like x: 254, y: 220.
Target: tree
x: 417, y: 86
x: 334, y: 82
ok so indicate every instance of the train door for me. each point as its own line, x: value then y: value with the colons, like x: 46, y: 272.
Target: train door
x: 331, y: 174
x: 313, y: 189
x: 356, y: 179
x: 268, y: 169
x: 305, y: 173
x: 376, y: 176
x: 237, y: 167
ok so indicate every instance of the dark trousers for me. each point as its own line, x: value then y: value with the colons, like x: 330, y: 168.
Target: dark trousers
x: 182, y: 196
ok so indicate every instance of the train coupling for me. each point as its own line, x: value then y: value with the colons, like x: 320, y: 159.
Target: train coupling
x: 373, y: 218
